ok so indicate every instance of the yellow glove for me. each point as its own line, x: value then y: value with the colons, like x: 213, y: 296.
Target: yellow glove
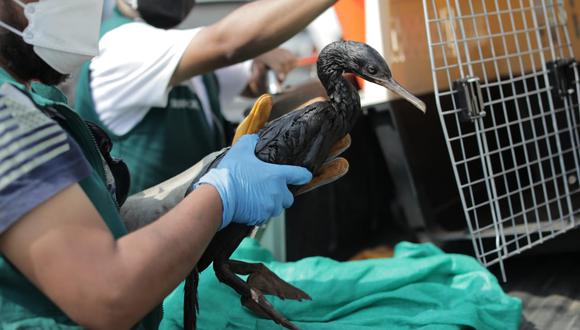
x: 333, y: 169
x: 256, y: 119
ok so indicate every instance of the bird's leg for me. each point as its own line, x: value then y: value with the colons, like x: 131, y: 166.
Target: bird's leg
x: 251, y: 298
x: 266, y: 281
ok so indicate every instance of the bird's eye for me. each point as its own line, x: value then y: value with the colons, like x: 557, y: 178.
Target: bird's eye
x: 372, y: 69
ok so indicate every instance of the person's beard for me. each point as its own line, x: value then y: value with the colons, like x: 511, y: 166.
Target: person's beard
x: 19, y: 58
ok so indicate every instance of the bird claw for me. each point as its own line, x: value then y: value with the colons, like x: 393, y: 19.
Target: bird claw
x: 266, y: 281
x: 258, y: 304
x: 260, y: 281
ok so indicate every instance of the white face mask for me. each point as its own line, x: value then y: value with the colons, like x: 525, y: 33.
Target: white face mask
x: 64, y: 33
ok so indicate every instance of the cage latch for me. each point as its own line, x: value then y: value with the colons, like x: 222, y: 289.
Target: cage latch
x: 468, y: 98
x: 562, y: 76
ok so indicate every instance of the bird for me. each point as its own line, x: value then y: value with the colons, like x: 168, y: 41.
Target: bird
x: 306, y: 137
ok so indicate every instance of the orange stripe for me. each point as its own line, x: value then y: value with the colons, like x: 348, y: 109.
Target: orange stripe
x: 351, y: 15
x: 304, y: 61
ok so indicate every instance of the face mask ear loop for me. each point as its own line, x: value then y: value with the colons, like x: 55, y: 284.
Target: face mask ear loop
x: 11, y: 29
x: 20, y: 3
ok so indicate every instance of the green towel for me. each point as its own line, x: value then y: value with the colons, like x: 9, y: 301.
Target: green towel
x: 421, y: 287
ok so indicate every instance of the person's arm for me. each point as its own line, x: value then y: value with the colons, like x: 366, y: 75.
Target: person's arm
x: 64, y: 247
x: 246, y: 33
x: 67, y: 251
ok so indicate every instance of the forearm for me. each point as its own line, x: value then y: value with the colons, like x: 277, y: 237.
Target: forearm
x: 65, y: 248
x: 272, y: 22
x: 137, y: 271
x: 152, y: 261
x: 246, y: 33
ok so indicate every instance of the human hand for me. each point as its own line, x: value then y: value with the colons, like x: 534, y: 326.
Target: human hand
x: 252, y: 191
x: 278, y: 60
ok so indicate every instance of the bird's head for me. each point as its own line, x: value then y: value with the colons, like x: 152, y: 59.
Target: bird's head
x: 364, y: 61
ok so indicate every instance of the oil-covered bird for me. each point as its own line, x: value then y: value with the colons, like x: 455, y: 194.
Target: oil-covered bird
x: 303, y: 137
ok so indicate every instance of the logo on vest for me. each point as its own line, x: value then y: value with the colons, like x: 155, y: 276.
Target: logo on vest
x: 187, y: 104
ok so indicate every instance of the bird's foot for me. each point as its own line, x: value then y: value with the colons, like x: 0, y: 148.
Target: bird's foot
x: 260, y: 277
x: 260, y: 281
x: 258, y: 304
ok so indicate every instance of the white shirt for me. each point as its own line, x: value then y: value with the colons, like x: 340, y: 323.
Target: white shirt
x: 132, y: 72
x: 325, y: 29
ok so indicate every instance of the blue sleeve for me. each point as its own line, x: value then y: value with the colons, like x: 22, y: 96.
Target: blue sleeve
x: 38, y: 159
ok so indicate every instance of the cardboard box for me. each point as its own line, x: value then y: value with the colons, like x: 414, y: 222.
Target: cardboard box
x: 477, y: 38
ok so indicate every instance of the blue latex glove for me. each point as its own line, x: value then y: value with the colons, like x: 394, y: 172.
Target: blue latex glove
x: 253, y: 191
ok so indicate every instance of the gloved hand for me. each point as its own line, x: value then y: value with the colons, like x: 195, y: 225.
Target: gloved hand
x: 253, y: 191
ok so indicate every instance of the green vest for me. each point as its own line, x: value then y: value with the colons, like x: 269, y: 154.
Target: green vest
x: 168, y: 140
x: 22, y: 305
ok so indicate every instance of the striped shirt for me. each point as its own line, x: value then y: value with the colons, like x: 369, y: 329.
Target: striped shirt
x: 38, y: 159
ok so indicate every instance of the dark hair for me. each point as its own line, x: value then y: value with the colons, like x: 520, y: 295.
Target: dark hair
x: 19, y: 58
x: 165, y: 14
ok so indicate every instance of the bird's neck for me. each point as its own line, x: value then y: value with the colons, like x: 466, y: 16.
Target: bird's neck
x: 342, y: 94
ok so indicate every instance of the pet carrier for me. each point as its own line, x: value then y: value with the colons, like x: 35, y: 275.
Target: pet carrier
x: 506, y: 86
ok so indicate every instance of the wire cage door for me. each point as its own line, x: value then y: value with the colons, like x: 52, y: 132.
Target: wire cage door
x: 506, y: 84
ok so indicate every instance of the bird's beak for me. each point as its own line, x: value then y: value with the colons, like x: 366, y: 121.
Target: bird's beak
x: 395, y: 87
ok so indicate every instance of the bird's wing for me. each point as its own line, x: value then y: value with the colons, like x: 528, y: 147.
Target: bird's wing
x: 299, y: 137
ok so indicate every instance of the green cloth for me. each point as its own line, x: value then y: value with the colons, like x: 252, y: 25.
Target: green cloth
x: 168, y: 140
x: 22, y: 305
x: 419, y: 288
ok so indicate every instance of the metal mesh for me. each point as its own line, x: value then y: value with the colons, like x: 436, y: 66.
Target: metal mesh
x: 507, y: 94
